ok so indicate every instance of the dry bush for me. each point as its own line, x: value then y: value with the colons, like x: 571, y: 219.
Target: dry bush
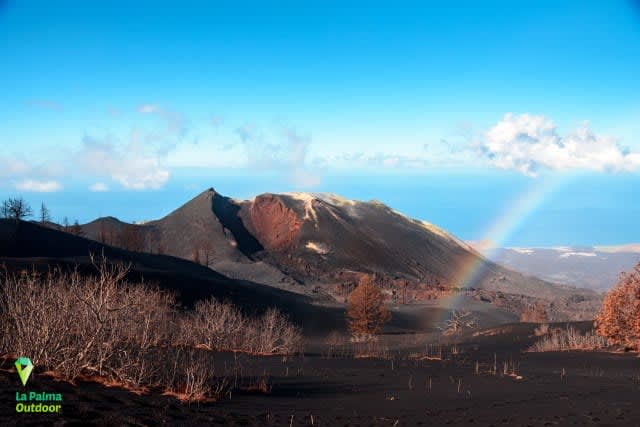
x: 274, y: 334
x: 619, y: 317
x: 36, y: 317
x: 366, y: 311
x: 214, y: 326
x: 568, y: 339
x: 459, y: 321
x: 221, y: 327
x: 189, y: 374
x: 104, y: 326
x: 96, y: 325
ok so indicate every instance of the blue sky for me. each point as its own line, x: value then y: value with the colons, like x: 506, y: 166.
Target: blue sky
x: 135, y: 108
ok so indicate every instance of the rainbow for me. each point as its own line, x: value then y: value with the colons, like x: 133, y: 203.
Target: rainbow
x: 472, y: 270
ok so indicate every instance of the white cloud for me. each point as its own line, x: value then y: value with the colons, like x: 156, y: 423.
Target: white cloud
x: 99, y: 187
x: 529, y: 143
x: 38, y: 186
x: 24, y: 175
x: 134, y: 166
x: 148, y: 108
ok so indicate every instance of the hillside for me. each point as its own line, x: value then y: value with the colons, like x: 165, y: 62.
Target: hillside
x: 319, y: 244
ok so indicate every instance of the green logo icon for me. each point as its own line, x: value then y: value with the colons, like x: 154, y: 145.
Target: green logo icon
x: 24, y: 368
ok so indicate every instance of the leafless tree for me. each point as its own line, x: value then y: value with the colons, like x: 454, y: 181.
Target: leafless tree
x: 45, y: 215
x: 16, y: 209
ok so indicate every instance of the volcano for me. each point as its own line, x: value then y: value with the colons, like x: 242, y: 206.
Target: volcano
x: 320, y: 244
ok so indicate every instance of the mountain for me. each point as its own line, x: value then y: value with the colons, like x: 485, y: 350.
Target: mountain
x: 596, y: 268
x: 206, y: 229
x: 320, y: 244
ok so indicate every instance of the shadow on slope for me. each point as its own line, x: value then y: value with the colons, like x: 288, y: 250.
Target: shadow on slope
x: 25, y: 245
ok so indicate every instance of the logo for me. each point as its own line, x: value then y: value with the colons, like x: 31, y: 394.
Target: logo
x: 24, y: 368
x: 34, y: 401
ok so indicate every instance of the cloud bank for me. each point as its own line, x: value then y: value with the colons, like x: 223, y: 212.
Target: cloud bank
x: 36, y: 186
x: 132, y: 166
x: 24, y: 175
x: 530, y: 144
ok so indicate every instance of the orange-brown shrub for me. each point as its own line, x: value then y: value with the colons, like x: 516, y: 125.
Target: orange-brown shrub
x: 619, y: 317
x: 366, y: 311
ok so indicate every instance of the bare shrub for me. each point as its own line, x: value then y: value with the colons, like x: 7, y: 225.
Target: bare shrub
x: 214, y: 326
x: 568, y: 339
x: 459, y: 321
x: 274, y: 334
x: 366, y: 311
x: 619, y: 317
x: 190, y: 374
x: 36, y: 317
x: 96, y: 325
x: 221, y: 326
x: 132, y: 334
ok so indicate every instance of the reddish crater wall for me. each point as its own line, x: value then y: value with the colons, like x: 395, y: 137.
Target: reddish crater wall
x: 274, y: 225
